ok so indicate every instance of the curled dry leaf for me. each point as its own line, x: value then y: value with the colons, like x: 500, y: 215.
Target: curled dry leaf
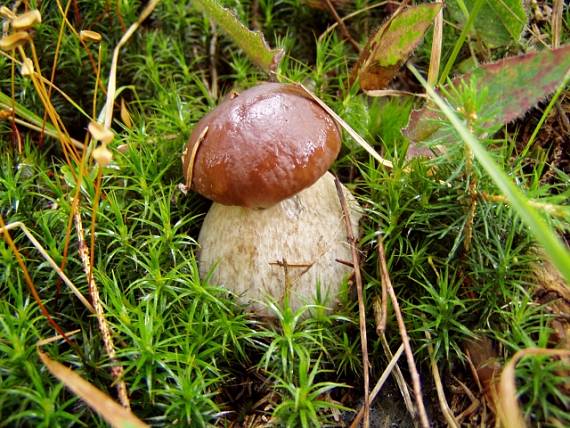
x: 508, y: 409
x: 115, y: 414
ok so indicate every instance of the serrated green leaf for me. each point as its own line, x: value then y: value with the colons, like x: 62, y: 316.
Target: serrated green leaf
x: 392, y: 45
x: 498, y: 23
x: 511, y: 87
x: 251, y: 42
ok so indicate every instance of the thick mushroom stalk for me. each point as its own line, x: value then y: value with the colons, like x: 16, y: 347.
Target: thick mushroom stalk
x: 268, y: 148
x: 290, y: 249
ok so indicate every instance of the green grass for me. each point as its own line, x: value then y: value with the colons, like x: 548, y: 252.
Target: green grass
x: 192, y: 355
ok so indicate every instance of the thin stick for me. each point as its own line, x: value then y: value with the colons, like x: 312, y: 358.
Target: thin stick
x: 213, y: 60
x: 400, y: 380
x: 30, y: 284
x: 342, y: 27
x: 356, y: 13
x: 556, y: 23
x: 475, y: 403
x: 391, y: 365
x: 361, y: 308
x: 447, y: 413
x: 405, y: 339
x: 52, y: 263
x: 435, y: 57
x: 116, y: 368
x: 380, y: 330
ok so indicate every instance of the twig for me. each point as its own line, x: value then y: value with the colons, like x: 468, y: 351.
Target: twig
x: 556, y: 23
x: 400, y: 380
x: 52, y: 263
x: 342, y: 27
x: 355, y: 13
x: 30, y: 284
x: 447, y: 413
x: 116, y: 368
x: 381, y: 331
x: 391, y: 365
x: 475, y: 403
x: 405, y: 339
x: 213, y: 60
x: 361, y: 308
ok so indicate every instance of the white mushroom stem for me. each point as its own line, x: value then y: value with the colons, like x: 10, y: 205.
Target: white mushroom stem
x: 292, y: 248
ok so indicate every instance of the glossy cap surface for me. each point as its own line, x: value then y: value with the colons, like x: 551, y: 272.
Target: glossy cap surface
x: 260, y: 147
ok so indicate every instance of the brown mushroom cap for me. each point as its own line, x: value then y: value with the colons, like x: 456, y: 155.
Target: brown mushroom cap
x: 260, y: 147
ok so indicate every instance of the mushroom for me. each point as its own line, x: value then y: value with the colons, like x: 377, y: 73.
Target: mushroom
x: 276, y: 226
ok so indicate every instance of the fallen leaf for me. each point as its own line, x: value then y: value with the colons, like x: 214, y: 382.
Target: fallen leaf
x: 392, y: 45
x: 511, y: 86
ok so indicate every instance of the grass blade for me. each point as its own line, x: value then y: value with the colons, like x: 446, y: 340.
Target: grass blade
x: 541, y: 230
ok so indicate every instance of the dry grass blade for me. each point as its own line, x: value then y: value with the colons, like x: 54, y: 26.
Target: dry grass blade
x: 57, y: 337
x: 424, y: 422
x: 391, y: 93
x: 30, y: 284
x: 435, y: 57
x: 443, y: 405
x: 116, y: 368
x: 52, y: 263
x: 112, y: 85
x: 112, y: 412
x: 348, y: 129
x: 557, y: 12
x: 508, y: 409
x: 381, y: 312
x: 400, y: 380
x: 361, y: 308
x: 391, y: 365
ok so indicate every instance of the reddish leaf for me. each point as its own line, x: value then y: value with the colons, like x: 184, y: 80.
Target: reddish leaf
x: 511, y: 87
